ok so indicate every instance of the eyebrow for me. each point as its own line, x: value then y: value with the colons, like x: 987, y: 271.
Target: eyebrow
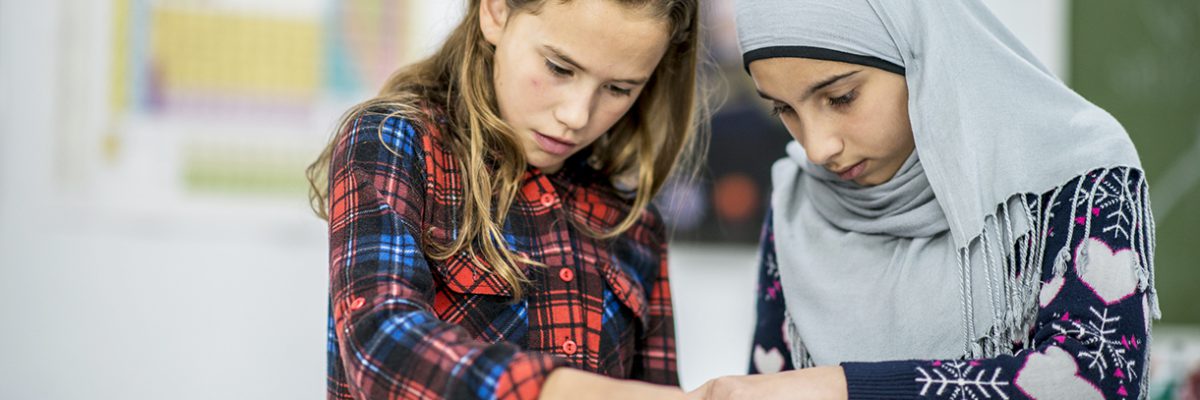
x: 567, y: 59
x: 814, y: 88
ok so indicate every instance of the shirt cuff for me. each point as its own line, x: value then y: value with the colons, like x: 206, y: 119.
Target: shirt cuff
x: 881, y: 380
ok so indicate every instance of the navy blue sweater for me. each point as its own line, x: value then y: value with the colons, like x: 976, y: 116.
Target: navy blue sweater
x: 1089, y: 340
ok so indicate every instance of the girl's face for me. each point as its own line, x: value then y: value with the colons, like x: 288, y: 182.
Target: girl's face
x: 567, y: 73
x: 851, y: 119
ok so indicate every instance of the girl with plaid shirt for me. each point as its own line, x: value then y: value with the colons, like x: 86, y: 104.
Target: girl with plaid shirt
x: 489, y: 210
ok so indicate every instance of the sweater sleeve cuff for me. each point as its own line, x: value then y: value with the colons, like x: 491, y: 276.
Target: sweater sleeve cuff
x: 881, y: 380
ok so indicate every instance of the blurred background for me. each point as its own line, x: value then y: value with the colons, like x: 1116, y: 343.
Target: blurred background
x: 155, y: 235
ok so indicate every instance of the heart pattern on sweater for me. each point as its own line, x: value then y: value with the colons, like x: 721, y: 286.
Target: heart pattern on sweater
x: 767, y: 361
x: 1054, y: 375
x: 1108, y: 273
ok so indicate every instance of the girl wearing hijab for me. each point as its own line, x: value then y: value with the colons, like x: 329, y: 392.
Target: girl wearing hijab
x: 951, y: 221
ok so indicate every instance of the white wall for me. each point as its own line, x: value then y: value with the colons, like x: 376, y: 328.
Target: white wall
x: 1042, y: 25
x: 27, y: 91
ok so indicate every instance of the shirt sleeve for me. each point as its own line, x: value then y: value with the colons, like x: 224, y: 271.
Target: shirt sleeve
x: 656, y: 361
x: 770, y: 352
x: 1092, y: 330
x: 391, y: 343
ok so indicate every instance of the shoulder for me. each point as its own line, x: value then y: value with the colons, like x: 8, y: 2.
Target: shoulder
x: 1099, y: 188
x: 652, y: 221
x: 387, y: 136
x: 1104, y: 206
x: 374, y: 128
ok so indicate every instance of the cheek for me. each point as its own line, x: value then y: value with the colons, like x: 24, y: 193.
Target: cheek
x: 863, y: 134
x: 603, y: 120
x: 900, y: 137
x: 879, y: 132
x: 900, y: 127
x: 536, y: 84
x: 502, y: 74
x: 536, y: 81
x: 523, y: 93
x: 890, y: 142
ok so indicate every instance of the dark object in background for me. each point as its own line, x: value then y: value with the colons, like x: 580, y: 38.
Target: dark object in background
x: 1189, y: 386
x: 729, y: 200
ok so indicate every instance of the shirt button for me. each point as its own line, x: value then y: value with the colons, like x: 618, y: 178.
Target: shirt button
x: 547, y: 199
x: 569, y: 347
x: 566, y: 274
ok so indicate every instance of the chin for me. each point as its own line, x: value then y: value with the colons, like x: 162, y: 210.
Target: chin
x: 867, y: 181
x: 875, y: 178
x: 543, y: 162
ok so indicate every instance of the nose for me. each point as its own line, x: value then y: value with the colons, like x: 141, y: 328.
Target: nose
x: 575, y: 109
x: 823, y: 148
x: 820, y: 140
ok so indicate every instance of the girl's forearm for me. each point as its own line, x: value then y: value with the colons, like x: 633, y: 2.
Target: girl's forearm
x: 573, y: 384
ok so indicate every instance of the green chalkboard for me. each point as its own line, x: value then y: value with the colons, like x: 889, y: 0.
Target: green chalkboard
x: 1140, y: 60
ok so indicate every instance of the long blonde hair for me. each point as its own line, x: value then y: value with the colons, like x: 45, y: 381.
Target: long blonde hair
x: 662, y: 129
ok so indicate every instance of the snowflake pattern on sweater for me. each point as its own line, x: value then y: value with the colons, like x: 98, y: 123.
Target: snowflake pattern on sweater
x: 1091, y: 336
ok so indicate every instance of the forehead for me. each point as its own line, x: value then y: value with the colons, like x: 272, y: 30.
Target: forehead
x: 602, y: 35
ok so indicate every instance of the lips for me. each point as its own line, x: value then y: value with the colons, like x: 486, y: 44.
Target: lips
x: 555, y: 146
x: 854, y: 171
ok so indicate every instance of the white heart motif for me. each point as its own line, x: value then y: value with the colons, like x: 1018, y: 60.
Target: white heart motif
x: 1054, y: 375
x: 1050, y: 291
x: 767, y: 362
x: 1108, y: 273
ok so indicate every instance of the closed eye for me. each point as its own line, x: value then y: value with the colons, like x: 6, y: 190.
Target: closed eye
x: 619, y: 91
x: 843, y: 100
x: 558, y: 70
x: 779, y: 108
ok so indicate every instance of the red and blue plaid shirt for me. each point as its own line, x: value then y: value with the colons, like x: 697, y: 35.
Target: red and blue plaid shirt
x: 403, y: 325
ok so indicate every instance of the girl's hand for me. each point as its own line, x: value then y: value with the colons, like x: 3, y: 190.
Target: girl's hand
x: 573, y: 384
x: 809, y: 383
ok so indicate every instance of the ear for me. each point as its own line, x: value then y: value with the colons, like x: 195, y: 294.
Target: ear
x: 493, y: 16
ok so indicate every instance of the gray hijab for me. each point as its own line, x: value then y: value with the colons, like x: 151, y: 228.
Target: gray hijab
x: 922, y: 257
